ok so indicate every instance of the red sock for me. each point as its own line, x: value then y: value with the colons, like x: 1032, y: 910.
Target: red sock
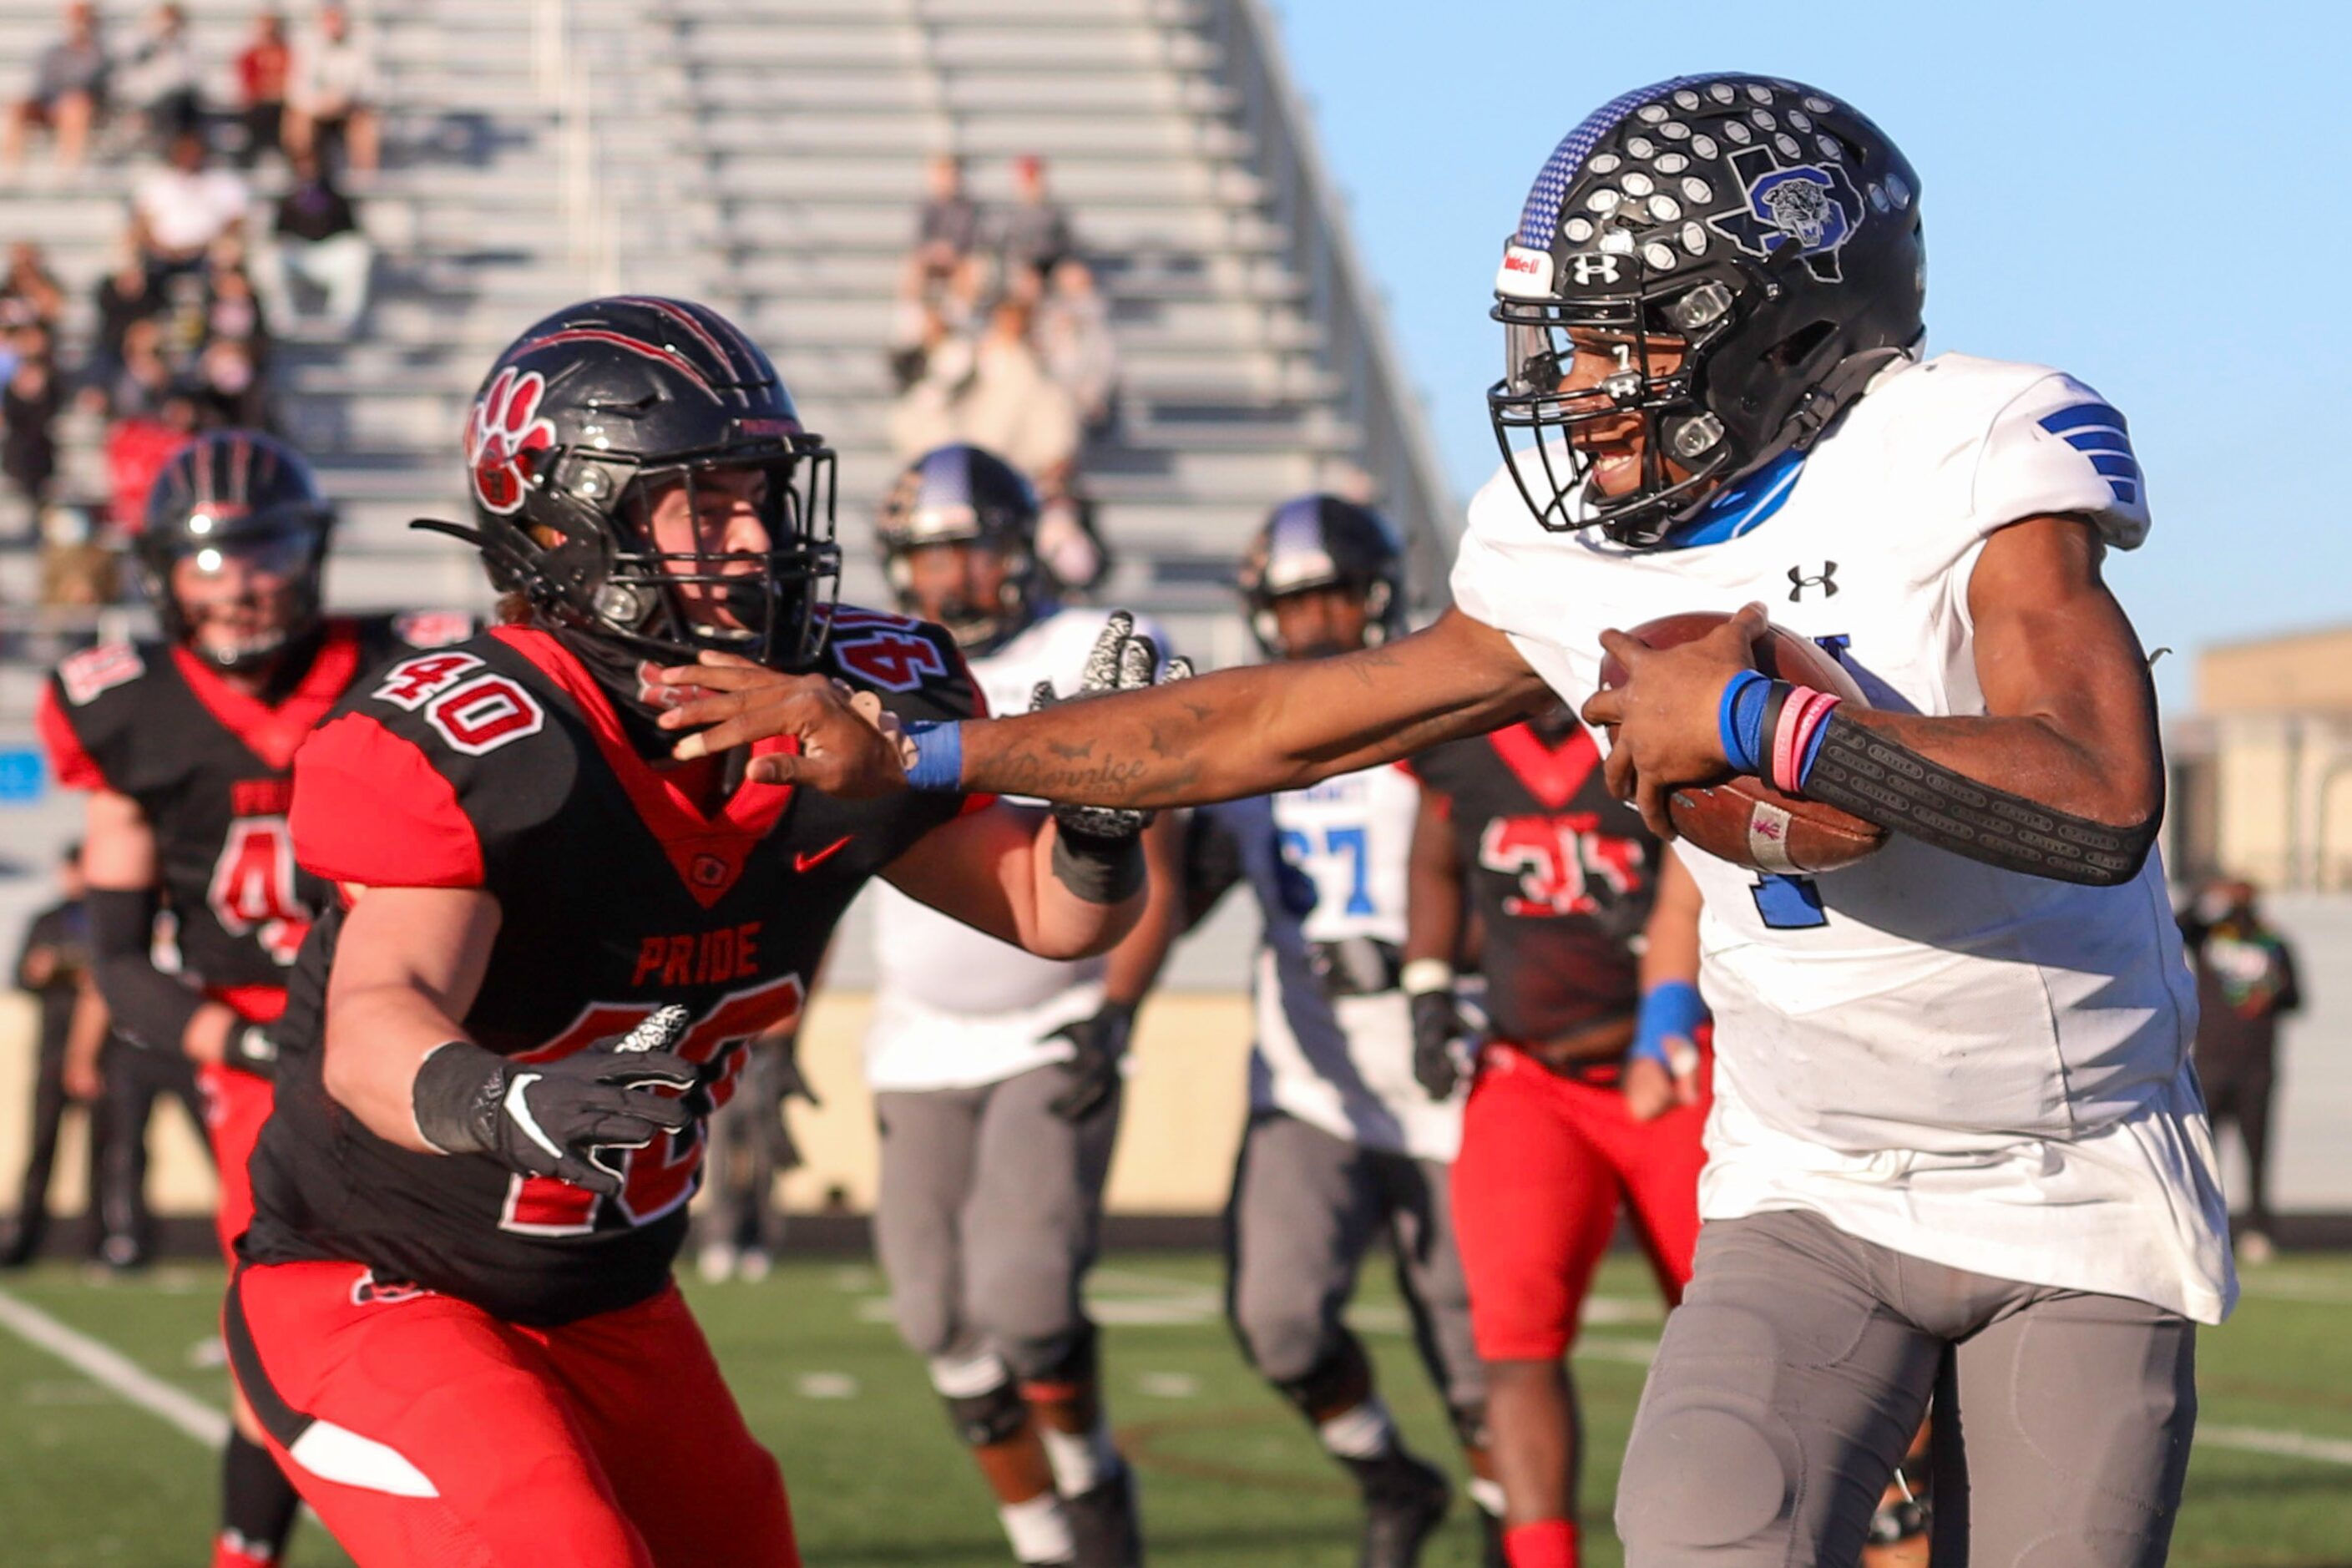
x: 1546, y: 1543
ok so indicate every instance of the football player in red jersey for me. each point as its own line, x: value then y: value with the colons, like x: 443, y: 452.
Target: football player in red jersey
x: 1591, y: 1090
x: 454, y: 1313
x: 185, y: 747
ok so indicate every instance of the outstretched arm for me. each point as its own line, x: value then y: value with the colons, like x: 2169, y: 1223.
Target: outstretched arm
x: 996, y: 871
x: 1216, y: 737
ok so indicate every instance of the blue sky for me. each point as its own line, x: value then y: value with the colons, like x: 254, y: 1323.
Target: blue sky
x: 2152, y: 197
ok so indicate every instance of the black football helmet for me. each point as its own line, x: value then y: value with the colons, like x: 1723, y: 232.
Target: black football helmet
x: 1770, y: 229
x: 1323, y: 542
x: 235, y: 492
x: 962, y: 495
x: 579, y: 422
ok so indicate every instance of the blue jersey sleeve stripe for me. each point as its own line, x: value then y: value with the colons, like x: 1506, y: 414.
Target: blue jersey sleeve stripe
x: 2083, y: 416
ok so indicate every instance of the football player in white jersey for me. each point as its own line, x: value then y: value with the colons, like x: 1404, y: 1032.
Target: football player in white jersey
x: 1957, y: 1146
x: 1343, y: 1142
x: 996, y: 1073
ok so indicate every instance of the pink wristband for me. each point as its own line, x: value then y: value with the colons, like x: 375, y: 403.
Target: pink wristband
x: 1805, y: 712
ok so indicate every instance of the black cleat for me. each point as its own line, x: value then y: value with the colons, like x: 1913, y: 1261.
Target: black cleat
x: 1401, y: 1507
x: 1106, y: 1526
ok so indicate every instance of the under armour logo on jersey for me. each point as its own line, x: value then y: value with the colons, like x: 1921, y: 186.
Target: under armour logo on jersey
x: 1825, y: 580
x: 2099, y: 433
x: 1589, y: 268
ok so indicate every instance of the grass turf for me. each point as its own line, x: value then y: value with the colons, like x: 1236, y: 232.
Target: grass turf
x: 1231, y: 1476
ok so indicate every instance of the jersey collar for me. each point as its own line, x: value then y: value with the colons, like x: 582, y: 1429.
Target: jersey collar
x: 707, y: 853
x: 274, y: 733
x: 1747, y: 503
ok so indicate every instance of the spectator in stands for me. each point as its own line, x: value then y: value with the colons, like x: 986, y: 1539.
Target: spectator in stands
x: 143, y: 380
x: 78, y: 575
x: 137, y: 448
x: 55, y: 966
x: 330, y: 100
x: 948, y: 228
x: 996, y: 395
x: 316, y: 240
x: 68, y: 90
x: 29, y: 412
x: 229, y: 391
x: 263, y: 69
x: 29, y: 291
x: 1074, y: 340
x: 232, y: 308
x: 187, y: 205
x: 2245, y: 984
x: 157, y: 81
x: 126, y: 294
x: 1035, y: 234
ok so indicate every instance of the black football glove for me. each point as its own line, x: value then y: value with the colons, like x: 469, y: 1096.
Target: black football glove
x: 1123, y: 659
x: 251, y: 1049
x: 1441, y: 1045
x: 559, y: 1118
x: 1101, y: 1046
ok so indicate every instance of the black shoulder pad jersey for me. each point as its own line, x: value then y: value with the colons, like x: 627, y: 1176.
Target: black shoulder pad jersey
x: 1561, y: 873
x: 499, y: 764
x: 210, y: 768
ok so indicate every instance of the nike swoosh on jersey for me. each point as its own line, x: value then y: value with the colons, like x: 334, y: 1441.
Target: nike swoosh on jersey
x: 803, y: 860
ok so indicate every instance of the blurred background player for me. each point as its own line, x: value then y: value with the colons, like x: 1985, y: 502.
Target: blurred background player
x: 454, y: 1311
x: 185, y: 746
x: 2245, y: 984
x: 1343, y: 1144
x: 751, y: 1144
x: 996, y: 1075
x: 54, y: 966
x: 1591, y: 1089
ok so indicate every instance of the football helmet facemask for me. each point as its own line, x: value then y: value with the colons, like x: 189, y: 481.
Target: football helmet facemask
x: 1324, y: 542
x: 587, y: 420
x: 1743, y: 252
x: 963, y: 495
x: 244, y: 495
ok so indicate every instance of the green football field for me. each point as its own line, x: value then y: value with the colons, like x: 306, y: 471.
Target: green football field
x: 90, y: 1474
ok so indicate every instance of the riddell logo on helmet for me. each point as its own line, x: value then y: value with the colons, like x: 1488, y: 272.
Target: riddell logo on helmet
x: 503, y: 428
x: 1526, y: 273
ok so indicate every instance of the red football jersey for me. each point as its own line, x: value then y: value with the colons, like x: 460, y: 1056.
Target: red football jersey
x: 210, y: 769
x: 502, y: 765
x: 1561, y: 873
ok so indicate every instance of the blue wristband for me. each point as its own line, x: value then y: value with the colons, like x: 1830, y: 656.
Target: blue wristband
x: 1739, y: 719
x: 938, y: 757
x: 1669, y: 1009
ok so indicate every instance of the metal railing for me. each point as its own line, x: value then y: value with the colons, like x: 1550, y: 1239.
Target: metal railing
x: 563, y: 79
x: 1399, y: 452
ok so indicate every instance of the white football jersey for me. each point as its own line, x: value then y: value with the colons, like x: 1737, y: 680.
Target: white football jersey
x: 1328, y: 863
x: 954, y: 1007
x: 1980, y: 1067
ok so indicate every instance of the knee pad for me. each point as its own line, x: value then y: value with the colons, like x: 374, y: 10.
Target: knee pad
x: 983, y: 1405
x: 1063, y: 1369
x: 1703, y: 1469
x: 1470, y: 1424
x: 1340, y: 1379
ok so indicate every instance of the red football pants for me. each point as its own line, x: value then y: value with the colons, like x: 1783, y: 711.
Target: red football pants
x: 428, y: 1433
x: 235, y: 1105
x: 1545, y: 1161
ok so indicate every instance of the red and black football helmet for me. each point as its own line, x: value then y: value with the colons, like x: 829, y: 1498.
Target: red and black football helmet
x: 1320, y: 541
x: 236, y: 493
x: 579, y: 421
x: 1770, y: 230
x: 962, y: 495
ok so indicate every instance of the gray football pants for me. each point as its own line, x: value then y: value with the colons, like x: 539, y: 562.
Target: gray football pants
x: 1796, y: 1370
x: 989, y: 1216
x: 1306, y: 1207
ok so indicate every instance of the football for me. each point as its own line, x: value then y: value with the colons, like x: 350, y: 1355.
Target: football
x: 1740, y: 819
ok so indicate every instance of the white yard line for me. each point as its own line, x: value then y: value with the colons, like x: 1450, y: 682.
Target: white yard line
x: 111, y: 1369
x: 2287, y: 1445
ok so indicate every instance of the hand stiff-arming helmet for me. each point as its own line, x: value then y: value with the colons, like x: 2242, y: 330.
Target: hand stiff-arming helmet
x: 962, y: 495
x: 585, y: 419
x: 1769, y: 230
x: 1323, y: 542
x: 236, y: 493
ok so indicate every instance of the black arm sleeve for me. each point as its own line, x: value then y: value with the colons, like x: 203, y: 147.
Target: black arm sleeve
x: 1861, y: 771
x: 151, y: 1008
